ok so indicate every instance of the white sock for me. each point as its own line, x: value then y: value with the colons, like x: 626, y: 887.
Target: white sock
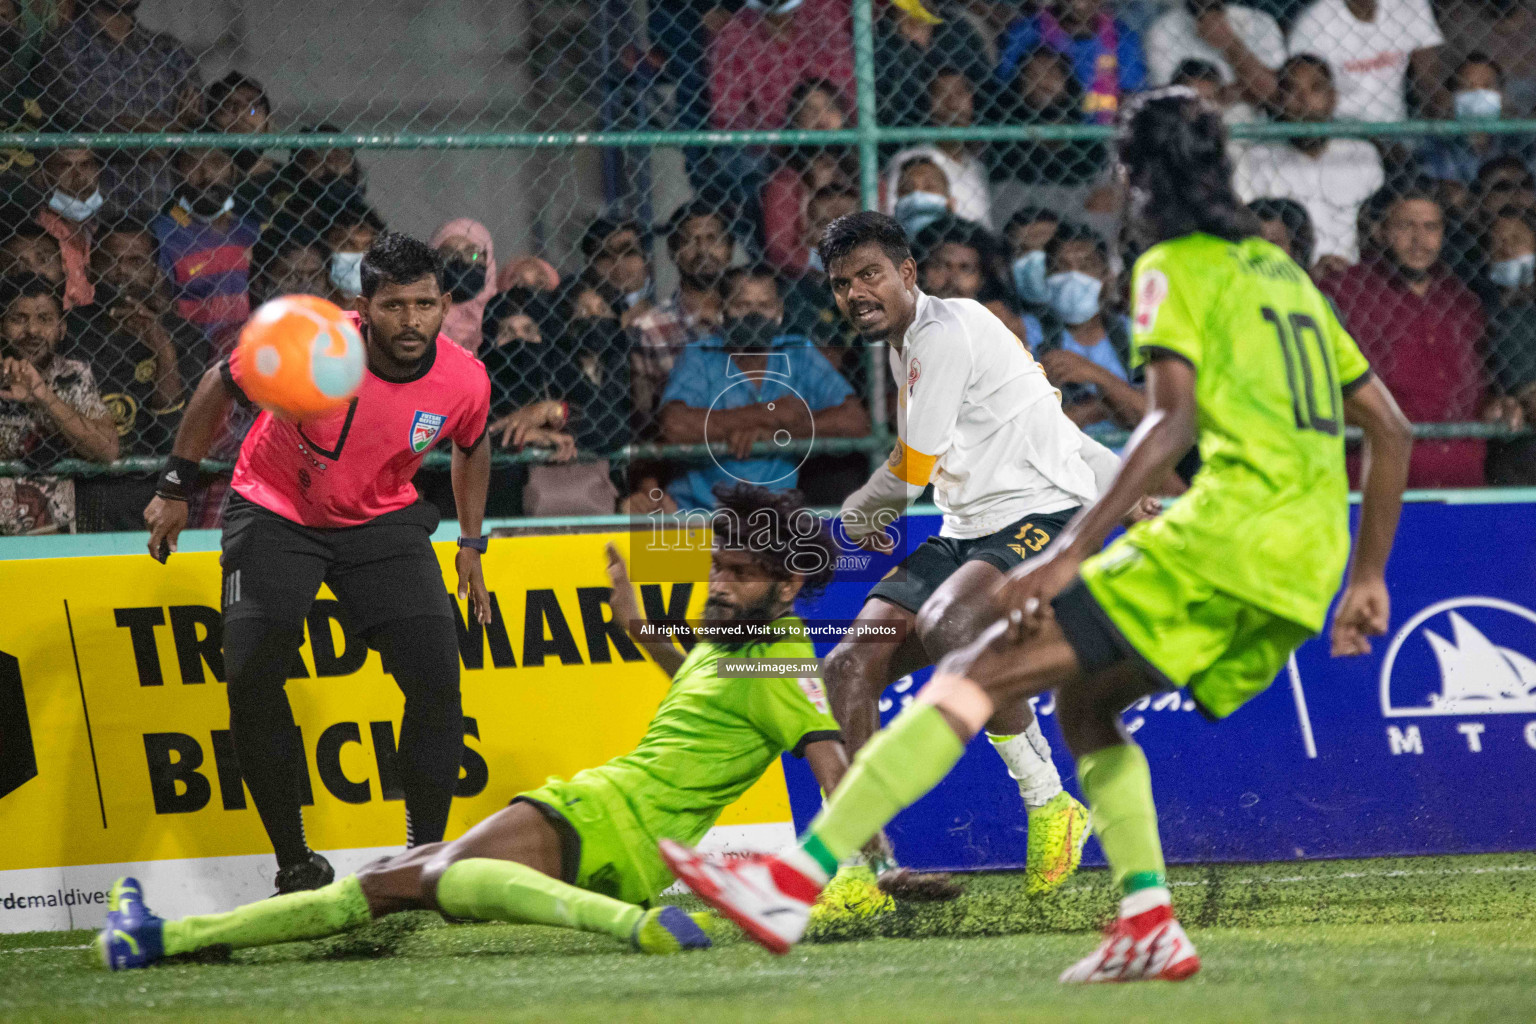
x: 1143, y: 900
x: 1028, y: 757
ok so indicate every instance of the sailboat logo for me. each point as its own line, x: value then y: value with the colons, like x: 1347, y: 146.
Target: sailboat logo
x: 1476, y: 647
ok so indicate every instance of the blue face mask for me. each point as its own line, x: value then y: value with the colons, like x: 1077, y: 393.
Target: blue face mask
x: 1029, y: 277
x: 1516, y: 273
x: 916, y: 210
x: 1074, y: 296
x: 813, y: 261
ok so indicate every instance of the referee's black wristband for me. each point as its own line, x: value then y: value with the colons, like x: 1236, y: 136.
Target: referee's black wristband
x: 178, y: 479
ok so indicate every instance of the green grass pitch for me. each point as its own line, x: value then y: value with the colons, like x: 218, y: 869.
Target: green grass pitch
x: 1414, y: 939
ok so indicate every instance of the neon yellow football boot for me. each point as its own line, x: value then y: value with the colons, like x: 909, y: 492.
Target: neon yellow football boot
x: 1057, y: 832
x: 852, y: 893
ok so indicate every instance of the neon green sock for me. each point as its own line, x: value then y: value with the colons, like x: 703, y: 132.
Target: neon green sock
x: 905, y: 760
x: 499, y: 890
x: 1118, y: 785
x: 338, y: 907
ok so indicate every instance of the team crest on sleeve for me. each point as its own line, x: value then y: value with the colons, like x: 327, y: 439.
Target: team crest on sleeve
x: 815, y: 694
x: 424, y: 430
x: 1149, y: 299
x: 914, y: 371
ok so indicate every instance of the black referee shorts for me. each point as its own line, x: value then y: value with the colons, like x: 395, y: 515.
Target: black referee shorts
x: 936, y: 559
x: 382, y: 571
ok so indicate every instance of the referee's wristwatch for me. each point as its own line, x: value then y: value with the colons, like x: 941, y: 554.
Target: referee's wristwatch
x: 480, y: 544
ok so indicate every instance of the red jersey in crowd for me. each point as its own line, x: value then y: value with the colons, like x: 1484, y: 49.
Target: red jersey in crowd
x: 356, y: 464
x: 1425, y: 350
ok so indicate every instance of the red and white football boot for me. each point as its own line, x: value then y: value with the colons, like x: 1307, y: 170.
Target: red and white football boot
x: 768, y: 897
x: 1150, y: 946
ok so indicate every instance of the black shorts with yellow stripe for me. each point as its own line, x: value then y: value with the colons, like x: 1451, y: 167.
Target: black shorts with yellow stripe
x: 935, y: 560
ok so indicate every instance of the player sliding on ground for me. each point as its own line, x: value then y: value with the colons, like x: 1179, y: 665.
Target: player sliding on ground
x: 1244, y: 354
x: 583, y: 853
x: 977, y: 417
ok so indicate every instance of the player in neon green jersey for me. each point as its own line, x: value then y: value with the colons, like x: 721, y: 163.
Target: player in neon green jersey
x: 582, y: 853
x: 1244, y: 355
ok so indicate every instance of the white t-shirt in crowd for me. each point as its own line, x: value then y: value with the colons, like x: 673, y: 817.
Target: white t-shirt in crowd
x: 1369, y: 58
x: 1173, y: 39
x: 1331, y: 186
x: 969, y: 188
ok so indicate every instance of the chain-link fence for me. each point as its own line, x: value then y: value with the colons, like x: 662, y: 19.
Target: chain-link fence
x: 627, y: 194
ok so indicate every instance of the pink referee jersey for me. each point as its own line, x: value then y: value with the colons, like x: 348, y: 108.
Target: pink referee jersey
x: 356, y: 464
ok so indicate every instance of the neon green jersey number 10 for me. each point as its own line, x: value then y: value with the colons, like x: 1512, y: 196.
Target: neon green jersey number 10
x: 1306, y: 355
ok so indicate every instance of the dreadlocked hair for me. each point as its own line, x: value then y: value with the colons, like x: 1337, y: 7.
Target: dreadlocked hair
x: 1173, y: 147
x: 785, y: 538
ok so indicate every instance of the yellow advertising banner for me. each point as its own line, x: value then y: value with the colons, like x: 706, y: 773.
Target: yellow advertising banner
x: 114, y: 742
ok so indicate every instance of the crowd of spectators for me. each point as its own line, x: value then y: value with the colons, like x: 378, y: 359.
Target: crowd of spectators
x: 124, y: 274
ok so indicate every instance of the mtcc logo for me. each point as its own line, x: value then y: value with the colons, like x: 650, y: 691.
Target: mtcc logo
x: 1463, y: 656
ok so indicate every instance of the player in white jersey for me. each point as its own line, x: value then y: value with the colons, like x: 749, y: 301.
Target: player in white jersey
x: 978, y: 419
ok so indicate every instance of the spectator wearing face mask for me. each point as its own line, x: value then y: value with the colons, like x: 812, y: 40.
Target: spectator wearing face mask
x: 1476, y: 88
x: 1284, y: 222
x: 347, y: 231
x: 1027, y: 233
x: 469, y: 276
x: 1243, y: 44
x: 1511, y: 298
x: 1330, y: 177
x: 103, y: 71
x: 1510, y: 245
x: 1502, y: 30
x: 70, y: 179
x: 960, y: 260
x: 750, y: 383
x: 922, y: 194
x: 1420, y: 328
x: 1087, y: 353
x: 951, y: 103
x: 205, y: 245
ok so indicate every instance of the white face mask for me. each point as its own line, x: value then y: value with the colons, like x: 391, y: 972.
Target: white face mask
x: 1074, y: 296
x: 916, y: 210
x: 1029, y: 277
x: 347, y: 273
x: 1477, y: 103
x: 1516, y: 273
x: 186, y: 205
x: 633, y: 299
x: 74, y: 209
x: 813, y: 261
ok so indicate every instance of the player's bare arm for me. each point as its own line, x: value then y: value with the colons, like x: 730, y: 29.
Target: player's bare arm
x: 166, y: 515
x: 1364, y: 609
x: 667, y: 655
x: 1155, y: 448
x: 471, y: 476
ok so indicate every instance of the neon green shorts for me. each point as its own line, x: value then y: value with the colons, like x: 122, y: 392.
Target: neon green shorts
x: 605, y: 849
x: 1223, y: 649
